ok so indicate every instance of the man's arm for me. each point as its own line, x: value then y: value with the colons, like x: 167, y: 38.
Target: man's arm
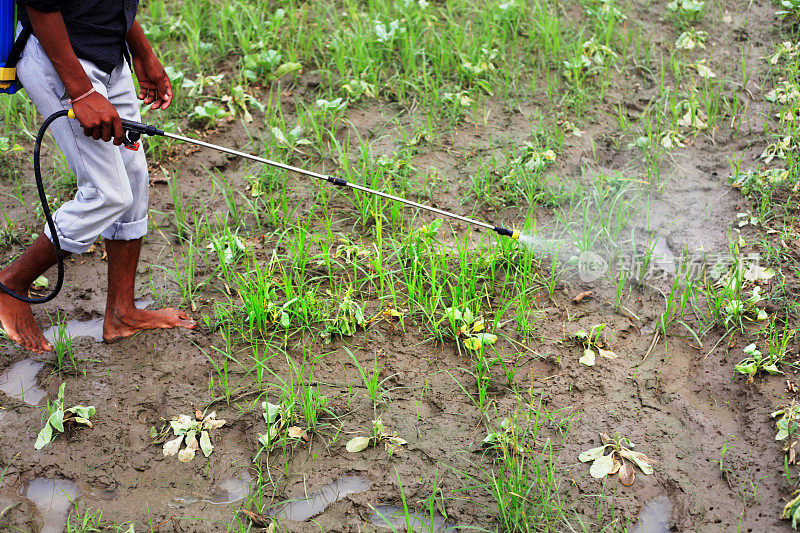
x: 95, y: 113
x: 154, y: 84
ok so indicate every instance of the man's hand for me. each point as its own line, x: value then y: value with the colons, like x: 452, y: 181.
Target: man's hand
x: 154, y: 85
x: 99, y: 118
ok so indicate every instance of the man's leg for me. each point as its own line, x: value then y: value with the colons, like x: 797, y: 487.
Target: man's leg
x: 16, y: 317
x: 123, y: 319
x: 124, y: 237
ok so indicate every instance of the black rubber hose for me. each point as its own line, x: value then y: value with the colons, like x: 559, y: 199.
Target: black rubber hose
x: 48, y: 217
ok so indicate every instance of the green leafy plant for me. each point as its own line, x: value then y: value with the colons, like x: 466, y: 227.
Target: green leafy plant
x: 239, y: 101
x: 790, y: 9
x: 792, y: 509
x: 60, y: 420
x: 468, y: 328
x: 505, y: 439
x: 195, y: 432
x: 209, y: 114
x: 392, y: 443
x: 279, y: 419
x: 348, y: 317
x: 614, y: 462
x: 291, y: 139
x: 686, y: 12
x: 594, y: 343
x: 788, y: 426
x: 756, y: 362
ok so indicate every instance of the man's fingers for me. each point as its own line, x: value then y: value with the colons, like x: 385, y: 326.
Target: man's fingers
x: 96, y: 133
x: 119, y: 134
x: 165, y: 92
x: 106, y: 131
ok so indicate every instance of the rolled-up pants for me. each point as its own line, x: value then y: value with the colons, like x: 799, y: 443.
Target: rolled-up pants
x: 112, y: 180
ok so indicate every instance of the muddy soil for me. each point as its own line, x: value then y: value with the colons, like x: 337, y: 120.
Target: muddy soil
x: 717, y: 465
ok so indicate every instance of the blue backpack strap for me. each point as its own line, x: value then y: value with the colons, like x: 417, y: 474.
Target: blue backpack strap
x: 8, y: 72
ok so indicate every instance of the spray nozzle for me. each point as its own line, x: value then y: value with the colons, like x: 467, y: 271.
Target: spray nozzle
x: 514, y: 234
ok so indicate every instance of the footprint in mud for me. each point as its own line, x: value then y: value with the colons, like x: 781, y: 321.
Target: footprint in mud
x: 88, y: 328
x: 654, y: 516
x: 232, y: 489
x: 300, y: 510
x: 393, y: 516
x: 53, y: 498
x: 19, y: 382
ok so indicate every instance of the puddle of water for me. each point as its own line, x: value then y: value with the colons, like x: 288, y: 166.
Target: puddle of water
x: 232, y: 490
x: 393, y: 516
x: 53, y: 498
x: 88, y: 328
x: 301, y: 510
x: 654, y: 517
x: 19, y: 382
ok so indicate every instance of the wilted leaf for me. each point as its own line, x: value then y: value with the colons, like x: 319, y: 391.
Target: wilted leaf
x: 171, y: 447
x: 186, y: 455
x: 81, y: 411
x: 296, y: 432
x: 588, y: 357
x: 608, y: 354
x: 214, y: 423
x: 259, y: 520
x: 198, y: 414
x: 581, y: 296
x: 397, y: 440
x: 617, y: 466
x: 627, y: 475
x: 592, y: 454
x: 82, y: 421
x: 641, y: 460
x: 205, y: 443
x: 356, y: 444
x: 602, y: 466
x: 472, y: 343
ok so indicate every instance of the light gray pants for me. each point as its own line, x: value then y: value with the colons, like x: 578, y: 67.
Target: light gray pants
x: 112, y: 180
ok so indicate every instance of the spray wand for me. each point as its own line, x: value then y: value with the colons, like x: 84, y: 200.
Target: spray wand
x: 134, y: 130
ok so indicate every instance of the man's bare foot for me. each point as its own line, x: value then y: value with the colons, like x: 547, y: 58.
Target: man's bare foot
x: 17, y: 320
x: 121, y: 324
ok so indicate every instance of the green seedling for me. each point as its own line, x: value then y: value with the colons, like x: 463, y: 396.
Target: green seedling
x: 691, y: 39
x: 392, y: 443
x: 61, y: 420
x: 614, y: 463
x: 594, y: 343
x: 209, y: 114
x: 505, y: 439
x: 468, y: 328
x: 686, y: 12
x: 790, y: 9
x: 291, y: 139
x: 788, y: 425
x: 756, y: 362
x: 195, y: 432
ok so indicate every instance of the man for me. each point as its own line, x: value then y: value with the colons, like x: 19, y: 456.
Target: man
x: 77, y: 58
